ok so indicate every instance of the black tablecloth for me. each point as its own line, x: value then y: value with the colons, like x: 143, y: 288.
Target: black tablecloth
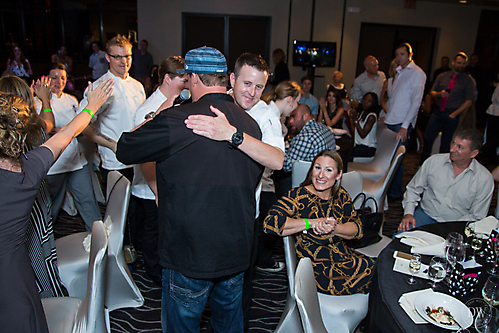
x: 385, y: 313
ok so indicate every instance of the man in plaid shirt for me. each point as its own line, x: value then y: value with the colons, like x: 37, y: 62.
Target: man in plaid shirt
x: 310, y: 138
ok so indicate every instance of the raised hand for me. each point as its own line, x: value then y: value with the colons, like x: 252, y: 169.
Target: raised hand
x: 98, y: 96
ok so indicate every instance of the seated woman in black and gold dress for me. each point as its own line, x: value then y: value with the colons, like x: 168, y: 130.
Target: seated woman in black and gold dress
x: 321, y: 216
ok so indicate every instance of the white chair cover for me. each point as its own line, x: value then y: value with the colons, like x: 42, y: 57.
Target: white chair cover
x: 74, y: 315
x: 299, y: 172
x: 121, y: 290
x: 376, y: 169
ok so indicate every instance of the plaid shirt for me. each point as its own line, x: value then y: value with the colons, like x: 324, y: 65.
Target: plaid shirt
x: 313, y: 138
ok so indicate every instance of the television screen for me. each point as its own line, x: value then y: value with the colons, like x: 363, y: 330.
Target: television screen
x: 314, y: 54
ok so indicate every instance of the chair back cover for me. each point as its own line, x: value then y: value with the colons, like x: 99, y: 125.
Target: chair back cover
x: 91, y: 313
x: 299, y: 172
x: 386, y: 181
x: 121, y: 289
x: 290, y: 319
x: 352, y: 183
x: 307, y: 299
x: 386, y: 148
x: 112, y: 178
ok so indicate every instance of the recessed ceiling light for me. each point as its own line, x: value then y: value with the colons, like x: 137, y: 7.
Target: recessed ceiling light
x: 462, y: 1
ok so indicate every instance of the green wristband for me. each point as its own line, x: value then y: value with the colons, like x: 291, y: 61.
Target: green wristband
x: 47, y: 110
x: 307, y: 225
x: 89, y: 112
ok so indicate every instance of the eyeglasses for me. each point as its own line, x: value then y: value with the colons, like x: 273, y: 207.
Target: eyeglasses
x: 119, y: 57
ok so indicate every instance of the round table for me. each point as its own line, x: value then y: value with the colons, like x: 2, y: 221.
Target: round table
x: 385, y: 313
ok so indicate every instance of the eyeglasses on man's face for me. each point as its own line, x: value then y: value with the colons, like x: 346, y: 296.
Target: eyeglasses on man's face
x: 120, y: 57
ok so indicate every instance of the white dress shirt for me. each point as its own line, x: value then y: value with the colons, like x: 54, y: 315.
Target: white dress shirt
x: 115, y: 116
x: 406, y: 96
x: 447, y: 198
x: 268, y: 119
x: 140, y: 188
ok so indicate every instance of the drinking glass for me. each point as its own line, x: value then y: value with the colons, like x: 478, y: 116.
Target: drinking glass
x: 414, y: 267
x: 490, y: 291
x: 478, y: 242
x: 494, y: 270
x: 487, y: 320
x: 437, y: 270
x: 455, y: 250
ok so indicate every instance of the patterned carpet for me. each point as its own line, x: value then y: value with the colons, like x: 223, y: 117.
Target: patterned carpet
x: 269, y: 289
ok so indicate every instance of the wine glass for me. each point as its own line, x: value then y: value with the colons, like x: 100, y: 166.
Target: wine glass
x: 490, y: 291
x: 455, y: 250
x: 494, y: 270
x: 477, y: 243
x: 414, y: 267
x: 437, y: 270
x: 487, y: 320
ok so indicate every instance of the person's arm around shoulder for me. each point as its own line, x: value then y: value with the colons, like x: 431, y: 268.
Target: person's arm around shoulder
x: 218, y: 128
x: 58, y: 142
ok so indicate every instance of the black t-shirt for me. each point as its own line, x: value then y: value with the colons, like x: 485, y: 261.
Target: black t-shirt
x: 206, y: 190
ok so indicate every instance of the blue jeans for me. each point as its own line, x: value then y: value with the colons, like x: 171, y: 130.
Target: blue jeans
x: 184, y: 300
x: 439, y: 121
x: 421, y: 219
x: 395, y: 189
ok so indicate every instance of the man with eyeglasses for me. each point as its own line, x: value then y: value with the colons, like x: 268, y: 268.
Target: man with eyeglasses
x: 116, y: 115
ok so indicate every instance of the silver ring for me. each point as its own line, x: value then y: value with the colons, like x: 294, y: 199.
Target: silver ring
x: 45, y: 85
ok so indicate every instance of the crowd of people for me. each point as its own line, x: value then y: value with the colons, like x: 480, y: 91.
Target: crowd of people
x: 213, y: 173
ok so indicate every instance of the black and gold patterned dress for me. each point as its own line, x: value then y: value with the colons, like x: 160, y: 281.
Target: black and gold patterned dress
x: 338, y: 269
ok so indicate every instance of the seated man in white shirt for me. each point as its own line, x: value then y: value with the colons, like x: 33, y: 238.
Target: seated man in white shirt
x: 454, y: 186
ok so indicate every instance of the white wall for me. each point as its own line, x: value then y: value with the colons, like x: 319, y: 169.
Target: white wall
x: 160, y: 22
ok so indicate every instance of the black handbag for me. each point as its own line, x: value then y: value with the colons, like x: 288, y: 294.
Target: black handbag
x: 371, y: 223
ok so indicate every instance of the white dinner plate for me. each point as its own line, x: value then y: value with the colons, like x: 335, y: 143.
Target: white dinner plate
x: 457, y: 309
x: 339, y: 131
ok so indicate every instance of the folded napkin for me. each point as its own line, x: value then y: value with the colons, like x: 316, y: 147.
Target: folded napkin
x: 423, y: 242
x: 485, y: 225
x: 87, y: 241
x: 339, y: 131
x: 402, y: 266
x: 406, y: 302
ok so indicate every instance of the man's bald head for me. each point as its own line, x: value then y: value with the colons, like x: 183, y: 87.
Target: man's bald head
x: 371, y: 64
x: 299, y: 118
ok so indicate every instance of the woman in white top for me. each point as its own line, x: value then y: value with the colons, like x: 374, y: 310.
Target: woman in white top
x: 71, y: 169
x: 18, y: 64
x: 364, y: 120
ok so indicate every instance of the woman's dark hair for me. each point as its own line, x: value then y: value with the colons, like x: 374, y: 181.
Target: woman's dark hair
x: 12, y: 56
x: 17, y: 87
x: 337, y: 96
x: 333, y: 154
x: 374, y: 108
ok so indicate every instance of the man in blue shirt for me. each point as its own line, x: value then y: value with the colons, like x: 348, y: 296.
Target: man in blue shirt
x: 307, y: 98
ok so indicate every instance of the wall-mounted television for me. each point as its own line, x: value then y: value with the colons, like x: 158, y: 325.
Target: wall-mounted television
x: 314, y: 54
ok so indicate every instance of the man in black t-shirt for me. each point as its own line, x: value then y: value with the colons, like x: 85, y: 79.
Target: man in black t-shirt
x: 206, y: 199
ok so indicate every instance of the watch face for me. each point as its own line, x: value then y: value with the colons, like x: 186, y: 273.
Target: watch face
x: 237, y: 138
